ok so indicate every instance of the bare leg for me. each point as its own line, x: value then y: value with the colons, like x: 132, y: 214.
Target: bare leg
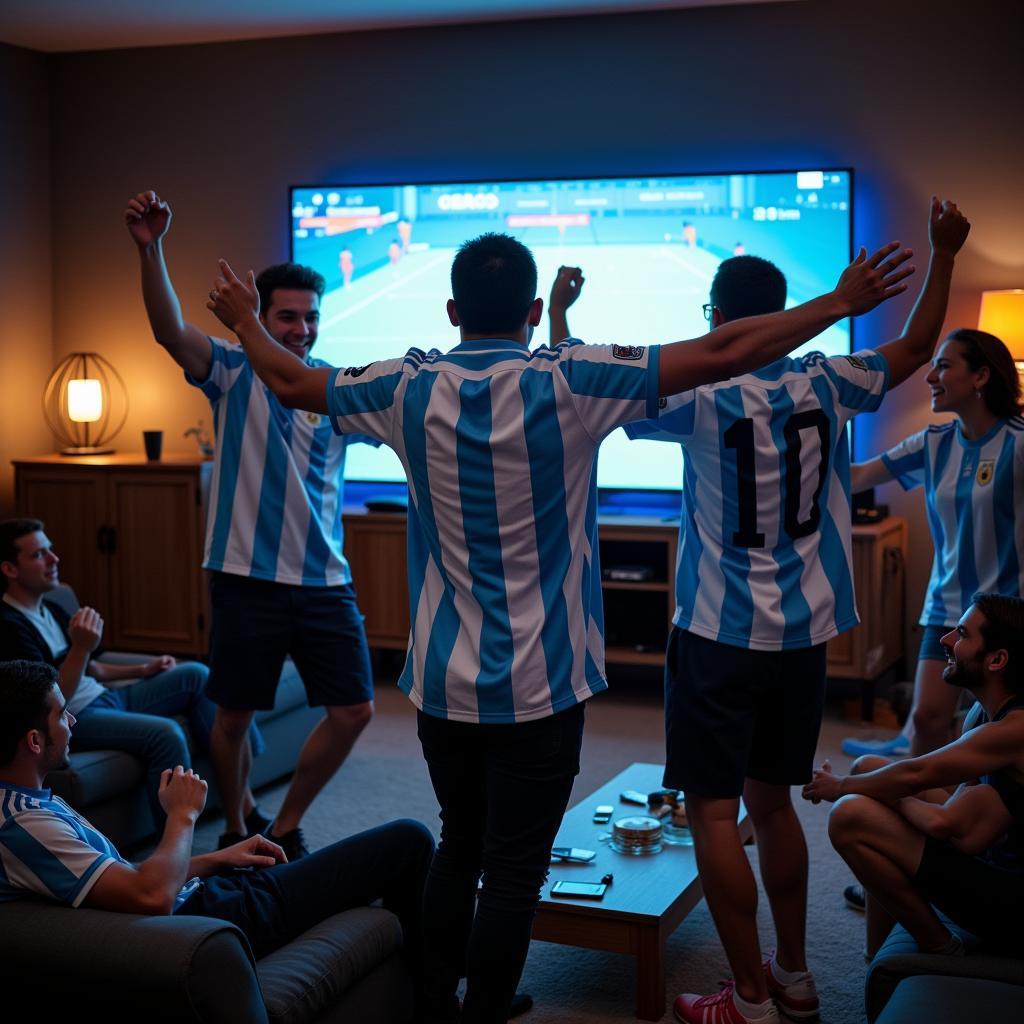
x: 935, y: 704
x: 884, y: 852
x: 782, y: 857
x: 322, y: 755
x: 729, y: 888
x: 231, y: 757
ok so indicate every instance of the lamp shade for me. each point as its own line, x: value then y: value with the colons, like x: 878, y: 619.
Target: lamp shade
x: 1002, y: 314
x: 85, y: 404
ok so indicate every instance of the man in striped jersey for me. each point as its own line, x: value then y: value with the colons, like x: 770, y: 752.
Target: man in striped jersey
x: 49, y: 850
x: 763, y: 581
x: 280, y: 583
x: 499, y: 445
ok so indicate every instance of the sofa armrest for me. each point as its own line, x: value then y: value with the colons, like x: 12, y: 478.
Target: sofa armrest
x: 181, y: 968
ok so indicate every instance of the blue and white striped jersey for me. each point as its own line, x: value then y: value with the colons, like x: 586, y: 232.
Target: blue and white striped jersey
x: 764, y: 557
x: 48, y: 849
x: 499, y: 445
x: 276, y: 494
x: 973, y: 490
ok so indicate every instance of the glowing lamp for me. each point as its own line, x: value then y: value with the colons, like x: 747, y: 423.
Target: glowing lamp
x: 85, y: 400
x: 85, y: 404
x: 1002, y: 314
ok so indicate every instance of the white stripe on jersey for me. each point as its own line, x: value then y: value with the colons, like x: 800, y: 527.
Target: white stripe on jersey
x: 499, y: 447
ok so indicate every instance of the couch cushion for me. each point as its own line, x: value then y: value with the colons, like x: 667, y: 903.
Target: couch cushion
x: 305, y: 977
x: 96, y: 775
x: 937, y: 999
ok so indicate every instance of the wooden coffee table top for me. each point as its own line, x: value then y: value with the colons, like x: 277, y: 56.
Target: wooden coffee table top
x: 647, y: 888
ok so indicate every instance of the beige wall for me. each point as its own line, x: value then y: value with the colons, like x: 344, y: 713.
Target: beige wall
x: 915, y: 102
x: 26, y: 342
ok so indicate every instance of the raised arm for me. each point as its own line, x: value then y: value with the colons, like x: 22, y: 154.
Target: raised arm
x: 743, y: 345
x: 564, y: 292
x: 151, y: 887
x: 85, y: 630
x: 148, y: 217
x: 947, y: 231
x: 236, y: 304
x: 868, y: 474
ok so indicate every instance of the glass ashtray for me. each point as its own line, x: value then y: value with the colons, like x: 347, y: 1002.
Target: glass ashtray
x: 637, y: 835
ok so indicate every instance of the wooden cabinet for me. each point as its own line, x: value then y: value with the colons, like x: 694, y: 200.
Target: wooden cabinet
x: 129, y: 534
x: 375, y: 549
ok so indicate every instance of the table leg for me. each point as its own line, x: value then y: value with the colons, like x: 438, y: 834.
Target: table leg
x: 650, y: 974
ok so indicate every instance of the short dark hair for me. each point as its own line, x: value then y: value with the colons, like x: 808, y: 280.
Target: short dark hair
x: 494, y: 283
x: 748, y: 286
x: 11, y: 531
x: 1002, y: 389
x: 24, y: 689
x: 1003, y: 629
x: 288, y: 275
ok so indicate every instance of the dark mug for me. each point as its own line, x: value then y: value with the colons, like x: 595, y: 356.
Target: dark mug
x: 154, y: 442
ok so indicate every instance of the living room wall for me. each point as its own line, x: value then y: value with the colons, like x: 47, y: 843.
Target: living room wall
x: 913, y: 102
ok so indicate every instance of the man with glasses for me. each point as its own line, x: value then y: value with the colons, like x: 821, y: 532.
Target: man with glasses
x: 764, y: 579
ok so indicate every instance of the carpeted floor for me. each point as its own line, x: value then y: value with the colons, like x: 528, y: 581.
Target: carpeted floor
x: 385, y: 778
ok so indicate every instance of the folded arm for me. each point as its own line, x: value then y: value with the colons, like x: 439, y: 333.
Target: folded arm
x: 972, y: 819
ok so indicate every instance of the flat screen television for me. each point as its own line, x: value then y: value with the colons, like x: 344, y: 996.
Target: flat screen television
x: 649, y: 247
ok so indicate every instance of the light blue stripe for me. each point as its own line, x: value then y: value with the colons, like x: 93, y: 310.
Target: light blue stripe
x: 233, y: 431
x: 796, y: 613
x: 481, y: 527
x: 688, y: 581
x: 416, y: 557
x: 546, y: 452
x: 370, y: 396
x: 482, y: 360
x: 907, y: 468
x: 938, y: 611
x: 273, y: 487
x: 653, y: 379
x: 591, y: 593
x: 1008, y: 581
x: 850, y: 395
x: 318, y: 552
x: 736, y: 617
x: 445, y: 628
x: 966, y: 567
x: 594, y: 379
x: 45, y: 865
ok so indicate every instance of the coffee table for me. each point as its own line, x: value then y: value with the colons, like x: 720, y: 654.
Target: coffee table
x: 643, y: 906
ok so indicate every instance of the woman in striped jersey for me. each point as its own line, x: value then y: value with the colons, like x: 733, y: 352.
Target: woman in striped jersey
x: 972, y: 470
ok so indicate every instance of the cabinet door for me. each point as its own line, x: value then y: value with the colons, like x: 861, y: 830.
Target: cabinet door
x: 72, y: 502
x: 156, y: 601
x: 375, y: 550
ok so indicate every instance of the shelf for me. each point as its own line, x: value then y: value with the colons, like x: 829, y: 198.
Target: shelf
x: 636, y: 585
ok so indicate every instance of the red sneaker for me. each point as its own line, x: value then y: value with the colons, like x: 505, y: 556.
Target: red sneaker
x: 798, y: 1000
x: 718, y: 1009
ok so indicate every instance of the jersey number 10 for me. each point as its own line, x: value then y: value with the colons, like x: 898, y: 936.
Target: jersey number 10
x: 740, y: 437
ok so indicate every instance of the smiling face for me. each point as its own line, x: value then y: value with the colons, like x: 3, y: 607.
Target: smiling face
x: 954, y: 385
x: 293, y: 319
x: 965, y: 652
x: 34, y: 570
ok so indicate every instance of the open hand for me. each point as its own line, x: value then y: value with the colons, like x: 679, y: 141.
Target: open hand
x: 182, y: 792
x: 947, y: 227
x: 148, y: 217
x: 824, y: 785
x: 870, y: 280
x: 253, y: 852
x: 567, y: 287
x: 231, y: 299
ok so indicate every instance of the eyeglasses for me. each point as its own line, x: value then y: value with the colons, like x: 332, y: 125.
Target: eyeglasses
x: 709, y: 311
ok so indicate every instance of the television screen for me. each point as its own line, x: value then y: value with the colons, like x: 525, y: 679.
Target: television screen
x: 648, y: 247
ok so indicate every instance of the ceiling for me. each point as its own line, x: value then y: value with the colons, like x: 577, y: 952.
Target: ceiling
x: 54, y: 26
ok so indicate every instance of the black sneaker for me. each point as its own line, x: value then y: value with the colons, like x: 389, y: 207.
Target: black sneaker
x: 227, y: 839
x: 293, y: 843
x: 256, y: 821
x: 854, y: 896
x: 521, y: 1003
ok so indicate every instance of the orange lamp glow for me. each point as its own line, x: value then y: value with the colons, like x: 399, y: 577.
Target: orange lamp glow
x: 1002, y: 314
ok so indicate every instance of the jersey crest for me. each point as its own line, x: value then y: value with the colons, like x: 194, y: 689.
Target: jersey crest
x: 986, y: 470
x: 628, y: 351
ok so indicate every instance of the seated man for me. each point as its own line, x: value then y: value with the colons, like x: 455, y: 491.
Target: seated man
x: 134, y: 718
x: 49, y: 850
x: 915, y: 847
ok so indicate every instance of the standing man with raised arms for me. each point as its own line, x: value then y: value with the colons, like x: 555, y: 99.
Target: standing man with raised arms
x: 499, y: 445
x: 280, y: 584
x: 764, y: 580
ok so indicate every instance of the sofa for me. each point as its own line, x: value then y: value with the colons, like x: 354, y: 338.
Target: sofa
x: 107, y: 786
x: 906, y: 986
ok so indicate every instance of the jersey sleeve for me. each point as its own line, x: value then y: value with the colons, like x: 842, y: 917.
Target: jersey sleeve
x: 42, y: 853
x: 675, y: 420
x: 860, y: 381
x: 905, y: 461
x: 361, y: 399
x: 610, y: 384
x: 227, y: 364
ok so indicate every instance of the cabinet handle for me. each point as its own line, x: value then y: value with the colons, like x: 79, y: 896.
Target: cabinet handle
x: 111, y: 539
x: 101, y: 539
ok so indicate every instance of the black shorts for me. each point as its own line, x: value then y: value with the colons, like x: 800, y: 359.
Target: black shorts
x: 733, y: 714
x: 972, y: 892
x: 256, y: 623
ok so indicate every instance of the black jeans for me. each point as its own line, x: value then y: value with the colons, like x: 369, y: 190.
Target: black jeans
x: 503, y: 790
x: 275, y: 905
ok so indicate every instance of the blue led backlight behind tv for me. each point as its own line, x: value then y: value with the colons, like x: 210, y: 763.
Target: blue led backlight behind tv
x: 649, y: 248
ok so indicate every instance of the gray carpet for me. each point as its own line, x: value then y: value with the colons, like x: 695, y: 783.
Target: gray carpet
x: 385, y: 778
